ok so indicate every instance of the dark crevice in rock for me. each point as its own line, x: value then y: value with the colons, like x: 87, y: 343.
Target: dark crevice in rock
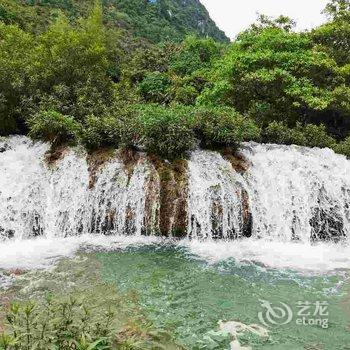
x: 5, y: 147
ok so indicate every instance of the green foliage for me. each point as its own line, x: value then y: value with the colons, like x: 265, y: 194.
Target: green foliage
x: 154, y: 87
x: 309, y: 135
x: 194, y: 54
x: 343, y: 147
x: 274, y: 75
x: 74, y: 66
x: 167, y: 132
x: 164, y: 20
x: 54, y: 127
x: 64, y: 78
x: 222, y: 127
x: 281, y: 22
x: 161, y: 20
x: 64, y: 69
x: 67, y: 324
x: 76, y: 324
x: 338, y: 9
x: 173, y: 73
x: 116, y: 129
x: 100, y: 132
x: 334, y: 37
x: 16, y: 75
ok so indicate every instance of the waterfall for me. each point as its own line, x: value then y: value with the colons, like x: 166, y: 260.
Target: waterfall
x: 37, y: 199
x: 215, y: 203
x: 298, y: 193
x: 284, y: 193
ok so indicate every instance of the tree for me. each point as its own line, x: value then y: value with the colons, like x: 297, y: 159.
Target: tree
x: 338, y: 9
x: 273, y: 74
x: 17, y: 76
x: 334, y: 37
x: 74, y: 67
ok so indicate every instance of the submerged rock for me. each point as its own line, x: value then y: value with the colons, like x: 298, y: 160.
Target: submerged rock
x: 237, y: 328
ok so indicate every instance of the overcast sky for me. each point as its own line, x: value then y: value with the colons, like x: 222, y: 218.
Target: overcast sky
x: 233, y: 16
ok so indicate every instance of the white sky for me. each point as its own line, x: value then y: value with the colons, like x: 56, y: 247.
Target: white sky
x: 233, y: 16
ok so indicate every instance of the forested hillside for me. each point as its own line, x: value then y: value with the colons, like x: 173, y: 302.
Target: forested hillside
x: 65, y: 78
x: 154, y: 20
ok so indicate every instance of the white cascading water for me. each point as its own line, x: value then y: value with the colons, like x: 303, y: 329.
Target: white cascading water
x: 296, y: 196
x: 298, y: 193
x: 215, y: 197
x: 37, y: 200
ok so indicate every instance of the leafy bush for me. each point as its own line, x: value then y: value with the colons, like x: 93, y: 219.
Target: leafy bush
x: 277, y: 132
x: 72, y: 324
x: 274, y: 74
x: 167, y: 132
x: 316, y: 136
x: 194, y: 54
x: 185, y: 94
x: 54, y: 127
x: 16, y: 75
x: 309, y: 135
x: 117, y: 129
x: 62, y: 325
x: 99, y: 132
x: 343, y: 147
x: 220, y: 127
x: 154, y: 87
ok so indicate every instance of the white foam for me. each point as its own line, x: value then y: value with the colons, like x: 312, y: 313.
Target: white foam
x: 318, y: 258
x: 44, y: 252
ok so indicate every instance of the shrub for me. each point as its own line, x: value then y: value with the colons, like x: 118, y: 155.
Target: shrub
x: 75, y: 324
x: 185, y: 94
x: 58, y: 325
x: 277, y: 132
x: 99, y: 132
x: 167, y: 132
x: 316, y: 136
x: 343, y: 147
x: 154, y: 87
x: 308, y: 135
x: 53, y: 126
x: 117, y: 129
x: 220, y: 127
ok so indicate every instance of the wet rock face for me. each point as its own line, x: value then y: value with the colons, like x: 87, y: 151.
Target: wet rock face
x: 326, y: 222
x: 129, y: 157
x: 4, y: 147
x: 168, y: 186
x: 238, y: 161
x: 96, y: 160
x: 247, y: 229
x: 326, y: 226
x: 55, y: 154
